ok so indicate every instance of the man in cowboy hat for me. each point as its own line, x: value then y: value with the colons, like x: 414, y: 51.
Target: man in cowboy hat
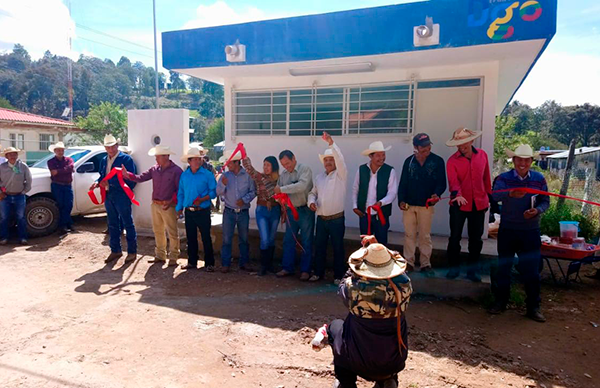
x: 165, y: 183
x: 372, y: 342
x: 61, y: 173
x: 237, y: 188
x: 327, y: 199
x: 422, y: 183
x: 117, y: 204
x: 15, y: 182
x: 375, y: 184
x: 2, y: 158
x: 296, y: 181
x: 197, y: 186
x: 519, y: 231
x: 470, y: 186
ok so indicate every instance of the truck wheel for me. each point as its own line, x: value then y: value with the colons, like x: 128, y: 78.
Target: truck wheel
x: 42, y: 215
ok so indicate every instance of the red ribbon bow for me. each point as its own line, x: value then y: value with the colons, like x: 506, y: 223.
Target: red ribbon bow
x: 285, y: 201
x: 377, y: 208
x: 119, y: 173
x: 241, y: 149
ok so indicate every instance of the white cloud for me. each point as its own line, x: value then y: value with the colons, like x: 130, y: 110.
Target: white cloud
x: 39, y: 25
x: 220, y: 13
x: 570, y: 79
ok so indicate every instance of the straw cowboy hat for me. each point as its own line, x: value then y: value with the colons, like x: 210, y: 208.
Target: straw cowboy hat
x: 377, y: 262
x: 376, y: 146
x: 193, y: 152
x: 227, y: 154
x: 8, y: 150
x: 328, y: 154
x: 60, y: 144
x: 523, y: 151
x: 125, y: 150
x: 160, y: 150
x: 462, y: 136
x: 110, y: 140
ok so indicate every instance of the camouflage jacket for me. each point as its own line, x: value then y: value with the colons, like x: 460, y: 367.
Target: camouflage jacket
x: 374, y: 299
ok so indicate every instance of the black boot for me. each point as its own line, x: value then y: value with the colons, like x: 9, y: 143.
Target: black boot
x: 271, y: 251
x: 264, y: 262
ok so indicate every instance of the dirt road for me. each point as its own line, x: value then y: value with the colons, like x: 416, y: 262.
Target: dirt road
x: 67, y: 320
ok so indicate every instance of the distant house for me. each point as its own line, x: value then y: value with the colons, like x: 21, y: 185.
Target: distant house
x: 32, y: 133
x: 585, y: 157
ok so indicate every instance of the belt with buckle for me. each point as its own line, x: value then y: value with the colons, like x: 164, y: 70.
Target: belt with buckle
x: 195, y: 208
x: 235, y: 210
x: 332, y: 217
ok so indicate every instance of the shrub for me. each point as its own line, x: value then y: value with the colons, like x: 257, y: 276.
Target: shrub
x: 549, y: 224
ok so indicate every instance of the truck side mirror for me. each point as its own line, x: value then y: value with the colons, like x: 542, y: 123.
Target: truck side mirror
x: 86, y: 167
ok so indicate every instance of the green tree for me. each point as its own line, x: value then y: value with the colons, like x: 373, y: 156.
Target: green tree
x: 4, y: 103
x: 177, y: 83
x: 215, y: 132
x: 103, y: 119
x: 195, y: 84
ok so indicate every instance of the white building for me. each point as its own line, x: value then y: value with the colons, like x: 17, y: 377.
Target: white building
x: 366, y: 75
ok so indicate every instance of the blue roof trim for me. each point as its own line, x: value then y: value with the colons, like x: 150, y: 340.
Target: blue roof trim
x: 370, y: 31
x: 455, y: 83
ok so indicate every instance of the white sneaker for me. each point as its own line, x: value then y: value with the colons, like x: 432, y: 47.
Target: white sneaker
x: 319, y: 341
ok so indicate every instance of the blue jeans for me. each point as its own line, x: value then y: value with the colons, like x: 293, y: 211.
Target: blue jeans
x: 118, y: 207
x: 230, y: 220
x: 12, y: 203
x: 63, y: 194
x: 379, y: 231
x: 267, y: 221
x: 305, y: 226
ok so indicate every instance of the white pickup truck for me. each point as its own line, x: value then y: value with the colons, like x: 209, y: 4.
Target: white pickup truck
x: 41, y: 211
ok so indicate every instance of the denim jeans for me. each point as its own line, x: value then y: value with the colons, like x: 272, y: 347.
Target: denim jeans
x: 526, y: 244
x: 377, y: 229
x: 230, y: 220
x: 267, y: 221
x: 118, y: 209
x: 17, y: 204
x: 63, y: 194
x: 334, y: 229
x: 305, y: 226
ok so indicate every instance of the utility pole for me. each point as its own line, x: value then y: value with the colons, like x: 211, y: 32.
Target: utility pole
x: 70, y: 69
x: 155, y: 56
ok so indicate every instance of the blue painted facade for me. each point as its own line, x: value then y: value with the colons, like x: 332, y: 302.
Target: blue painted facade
x: 371, y: 31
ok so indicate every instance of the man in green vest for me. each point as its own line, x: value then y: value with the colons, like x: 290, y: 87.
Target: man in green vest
x: 375, y: 185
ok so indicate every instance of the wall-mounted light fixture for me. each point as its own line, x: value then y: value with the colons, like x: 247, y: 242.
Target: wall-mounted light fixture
x: 360, y: 67
x: 235, y: 52
x: 427, y: 34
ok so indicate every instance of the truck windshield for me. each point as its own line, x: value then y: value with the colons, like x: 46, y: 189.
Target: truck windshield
x: 73, y: 153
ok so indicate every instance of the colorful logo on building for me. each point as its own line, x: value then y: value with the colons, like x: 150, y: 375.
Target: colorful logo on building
x: 502, y: 15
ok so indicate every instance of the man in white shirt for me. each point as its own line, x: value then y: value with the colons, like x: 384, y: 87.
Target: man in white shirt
x: 327, y: 199
x: 375, y: 184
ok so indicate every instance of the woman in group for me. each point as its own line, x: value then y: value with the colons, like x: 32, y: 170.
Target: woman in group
x: 268, y: 211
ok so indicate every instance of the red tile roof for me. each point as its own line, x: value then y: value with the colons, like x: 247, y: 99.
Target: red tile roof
x: 22, y: 117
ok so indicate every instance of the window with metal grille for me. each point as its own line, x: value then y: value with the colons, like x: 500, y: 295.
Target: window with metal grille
x: 45, y: 141
x: 337, y: 110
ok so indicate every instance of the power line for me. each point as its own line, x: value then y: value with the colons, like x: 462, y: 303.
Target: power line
x: 115, y: 47
x: 113, y: 37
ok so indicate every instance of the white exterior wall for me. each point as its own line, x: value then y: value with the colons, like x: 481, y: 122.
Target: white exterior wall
x: 438, y: 112
x: 172, y: 125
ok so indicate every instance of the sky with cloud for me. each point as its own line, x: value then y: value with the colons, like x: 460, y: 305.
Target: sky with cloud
x: 569, y: 70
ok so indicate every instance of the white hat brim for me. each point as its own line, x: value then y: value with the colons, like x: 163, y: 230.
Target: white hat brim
x: 369, y: 151
x: 454, y: 143
x: 53, y: 147
x: 395, y: 268
x: 153, y: 152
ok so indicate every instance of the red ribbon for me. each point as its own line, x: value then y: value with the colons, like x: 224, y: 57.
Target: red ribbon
x: 119, y: 173
x: 285, y: 201
x: 377, y: 208
x: 241, y: 149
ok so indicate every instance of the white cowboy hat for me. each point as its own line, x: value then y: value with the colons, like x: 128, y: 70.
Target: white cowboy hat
x: 377, y: 262
x: 227, y: 154
x: 110, y: 140
x: 376, y: 146
x: 327, y: 154
x: 523, y: 151
x: 8, y: 150
x: 160, y: 150
x: 60, y: 144
x: 462, y: 136
x: 193, y: 152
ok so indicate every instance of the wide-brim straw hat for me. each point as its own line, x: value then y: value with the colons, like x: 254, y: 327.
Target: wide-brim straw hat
x: 8, y: 150
x: 193, y: 152
x: 523, y: 151
x: 327, y: 154
x: 160, y: 150
x: 227, y: 154
x: 110, y: 140
x: 377, y: 262
x: 462, y: 136
x: 60, y: 144
x: 376, y: 146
